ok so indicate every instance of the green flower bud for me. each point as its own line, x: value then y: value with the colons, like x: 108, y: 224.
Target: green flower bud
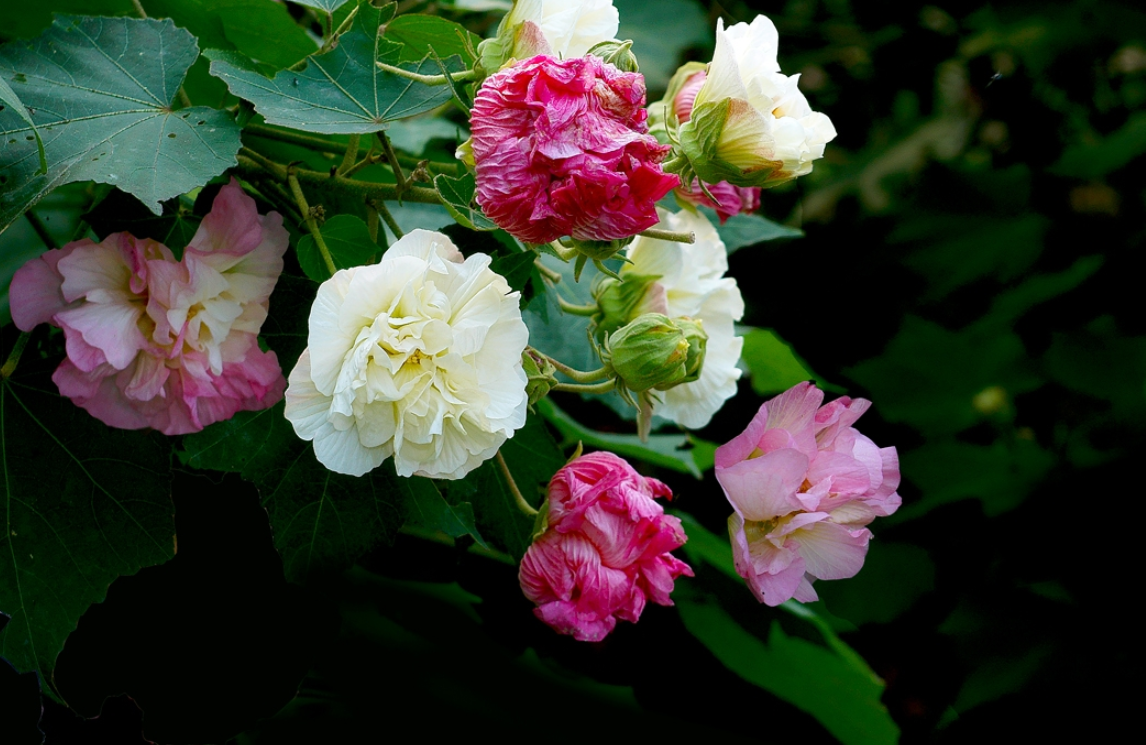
x: 619, y: 54
x: 619, y: 301
x: 650, y: 352
x: 697, y: 341
x: 540, y: 375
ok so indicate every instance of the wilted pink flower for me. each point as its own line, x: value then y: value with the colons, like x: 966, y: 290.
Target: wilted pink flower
x: 155, y: 342
x: 730, y: 200
x: 605, y: 550
x: 561, y: 148
x: 804, y: 483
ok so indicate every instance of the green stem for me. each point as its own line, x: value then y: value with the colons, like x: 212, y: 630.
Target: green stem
x: 41, y: 229
x: 304, y: 208
x: 445, y: 540
x: 517, y: 497
x: 346, y: 22
x: 457, y: 77
x: 14, y: 356
x: 576, y: 310
x: 546, y: 272
x: 395, y: 166
x: 565, y: 253
x: 318, y: 144
x: 139, y: 8
x: 388, y: 219
x: 349, y: 157
x: 372, y: 221
x: 669, y: 235
x: 604, y: 387
x: 252, y: 162
x: 569, y: 372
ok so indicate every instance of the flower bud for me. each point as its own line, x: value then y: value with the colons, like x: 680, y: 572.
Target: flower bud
x: 620, y: 301
x: 540, y: 375
x: 650, y: 352
x: 619, y: 54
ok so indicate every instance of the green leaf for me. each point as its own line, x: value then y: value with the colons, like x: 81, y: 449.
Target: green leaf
x: 84, y: 504
x: 830, y: 688
x: 748, y: 230
x: 667, y: 451
x: 8, y: 98
x: 339, y: 92
x: 328, y: 5
x: 260, y: 29
x: 412, y: 135
x: 517, y: 268
x: 426, y: 508
x: 418, y: 34
x: 773, y: 365
x: 319, y: 518
x: 458, y: 197
x: 349, y: 242
x: 661, y: 32
x: 1093, y: 161
x: 103, y: 107
x: 893, y: 577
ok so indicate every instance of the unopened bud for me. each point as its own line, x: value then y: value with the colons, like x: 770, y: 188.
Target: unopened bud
x: 620, y: 301
x: 540, y: 375
x: 619, y: 54
x: 697, y: 342
x: 650, y: 352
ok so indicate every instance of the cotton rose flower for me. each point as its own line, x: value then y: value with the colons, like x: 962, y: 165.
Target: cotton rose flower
x: 558, y: 28
x: 417, y: 356
x: 749, y: 124
x: 804, y: 483
x: 690, y: 283
x: 605, y: 550
x: 561, y: 148
x: 155, y: 342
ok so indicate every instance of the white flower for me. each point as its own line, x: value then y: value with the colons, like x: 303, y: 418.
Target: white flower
x: 571, y: 28
x: 418, y: 356
x: 750, y: 125
x: 692, y: 283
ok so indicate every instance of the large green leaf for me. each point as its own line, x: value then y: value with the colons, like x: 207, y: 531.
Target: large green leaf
x: 260, y: 29
x: 328, y: 5
x: 348, y: 241
x: 341, y: 91
x: 9, y: 99
x: 102, y: 91
x: 319, y: 518
x: 83, y: 504
x: 773, y: 366
x: 458, y: 197
x: 748, y: 230
x: 419, y: 34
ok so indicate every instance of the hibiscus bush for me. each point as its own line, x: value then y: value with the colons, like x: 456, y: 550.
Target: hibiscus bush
x: 367, y: 364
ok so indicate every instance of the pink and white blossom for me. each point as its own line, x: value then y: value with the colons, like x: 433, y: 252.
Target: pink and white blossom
x: 803, y: 484
x: 561, y: 148
x: 155, y: 342
x: 605, y: 550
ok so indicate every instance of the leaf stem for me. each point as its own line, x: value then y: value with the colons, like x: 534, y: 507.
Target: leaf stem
x: 669, y: 235
x: 457, y: 77
x: 576, y: 310
x: 604, y: 387
x: 549, y: 274
x: 318, y: 144
x: 14, y: 355
x: 251, y: 161
x: 445, y: 540
x: 311, y: 224
x: 388, y: 218
x: 41, y: 229
x: 139, y: 8
x: 351, y: 154
x: 372, y: 221
x: 565, y: 253
x: 577, y: 375
x: 392, y: 158
x: 517, y: 497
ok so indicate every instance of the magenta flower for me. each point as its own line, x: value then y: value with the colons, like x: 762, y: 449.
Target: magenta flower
x: 804, y: 483
x: 605, y: 550
x: 729, y: 200
x: 561, y: 148
x: 155, y: 342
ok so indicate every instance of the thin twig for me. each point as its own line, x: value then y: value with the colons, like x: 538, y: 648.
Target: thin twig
x: 669, y: 235
x: 521, y: 503
x: 14, y: 355
x: 388, y: 218
x: 311, y: 224
x: 433, y: 80
x: 350, y: 155
x: 576, y: 310
x: 41, y: 229
x: 392, y: 158
x: 605, y: 387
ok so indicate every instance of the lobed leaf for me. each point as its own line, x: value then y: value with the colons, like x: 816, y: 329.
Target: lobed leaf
x: 419, y: 34
x: 103, y: 106
x: 458, y: 198
x: 348, y: 240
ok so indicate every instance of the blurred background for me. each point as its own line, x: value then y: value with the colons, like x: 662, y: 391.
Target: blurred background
x: 967, y: 265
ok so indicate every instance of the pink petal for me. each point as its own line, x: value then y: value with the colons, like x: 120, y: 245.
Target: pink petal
x: 765, y: 487
x: 832, y: 551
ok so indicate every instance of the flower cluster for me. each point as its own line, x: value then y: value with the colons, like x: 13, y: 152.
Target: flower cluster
x: 605, y: 550
x: 561, y: 148
x: 418, y: 356
x: 804, y: 483
x: 155, y: 342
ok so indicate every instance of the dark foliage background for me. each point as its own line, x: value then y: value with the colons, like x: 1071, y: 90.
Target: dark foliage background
x: 967, y: 265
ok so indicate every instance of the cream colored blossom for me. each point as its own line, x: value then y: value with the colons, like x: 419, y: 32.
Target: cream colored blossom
x: 418, y: 356
x: 692, y: 284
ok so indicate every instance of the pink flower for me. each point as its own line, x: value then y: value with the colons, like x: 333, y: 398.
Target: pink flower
x: 730, y: 200
x: 155, y: 342
x: 605, y: 550
x: 561, y: 148
x: 804, y: 483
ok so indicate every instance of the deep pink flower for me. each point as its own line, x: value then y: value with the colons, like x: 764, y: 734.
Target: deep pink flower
x: 155, y: 342
x: 605, y: 550
x: 730, y: 200
x: 561, y: 148
x: 804, y: 483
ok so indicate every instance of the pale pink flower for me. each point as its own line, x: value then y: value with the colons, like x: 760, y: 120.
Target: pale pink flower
x: 155, y: 342
x: 804, y: 483
x: 604, y: 553
x: 729, y: 200
x: 561, y: 148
